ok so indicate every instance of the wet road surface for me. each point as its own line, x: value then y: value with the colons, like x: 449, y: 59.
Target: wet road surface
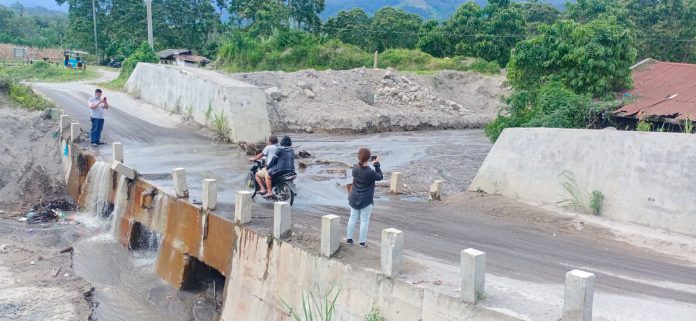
x: 521, y: 242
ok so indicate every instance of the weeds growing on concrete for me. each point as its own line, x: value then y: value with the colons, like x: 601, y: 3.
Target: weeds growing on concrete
x: 189, y: 113
x: 316, y: 306
x: 576, y: 199
x: 221, y: 128
x: 596, y: 201
x: 209, y: 113
x: 570, y: 185
x: 688, y: 126
x: 374, y: 315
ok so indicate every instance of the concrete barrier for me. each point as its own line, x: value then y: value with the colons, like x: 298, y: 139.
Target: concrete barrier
x: 179, y: 179
x: 579, y: 292
x: 392, y: 249
x: 204, y: 95
x: 473, y: 274
x: 646, y: 177
x: 330, y: 235
x: 282, y: 220
x: 117, y: 151
x: 209, y: 194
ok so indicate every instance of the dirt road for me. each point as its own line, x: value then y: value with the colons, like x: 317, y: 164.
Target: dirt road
x: 528, y: 248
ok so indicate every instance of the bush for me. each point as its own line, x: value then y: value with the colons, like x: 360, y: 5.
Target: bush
x: 43, y: 71
x: 142, y: 54
x: 295, y: 50
x: 23, y: 95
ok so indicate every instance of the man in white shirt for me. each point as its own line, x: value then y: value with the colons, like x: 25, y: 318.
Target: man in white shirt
x: 97, y: 105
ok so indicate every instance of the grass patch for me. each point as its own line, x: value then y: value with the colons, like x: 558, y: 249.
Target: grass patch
x: 221, y: 128
x: 297, y: 50
x: 596, y: 202
x: 43, y: 71
x: 576, y: 199
x: 316, y: 306
x: 374, y: 315
x: 22, y: 95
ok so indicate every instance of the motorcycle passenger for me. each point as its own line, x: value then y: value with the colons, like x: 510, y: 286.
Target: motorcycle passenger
x: 268, y: 152
x: 281, y: 164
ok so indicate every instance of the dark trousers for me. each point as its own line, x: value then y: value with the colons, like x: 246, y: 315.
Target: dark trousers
x: 97, y: 126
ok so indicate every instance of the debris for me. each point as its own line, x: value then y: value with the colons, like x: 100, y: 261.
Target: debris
x: 302, y: 164
x: 48, y: 210
x: 66, y: 275
x: 309, y: 93
x: 304, y: 85
x: 304, y: 154
x: 56, y: 271
x: 66, y: 250
x: 326, y: 161
x: 309, y: 130
x: 437, y: 282
x: 32, y: 263
x: 251, y: 148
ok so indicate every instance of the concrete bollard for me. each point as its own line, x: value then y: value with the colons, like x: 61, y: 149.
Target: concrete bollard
x: 75, y: 132
x: 473, y: 274
x: 579, y: 290
x: 436, y: 190
x: 392, y: 251
x: 330, y: 234
x: 117, y: 150
x: 180, y: 186
x: 209, y: 194
x: 123, y: 169
x: 242, y: 207
x: 282, y: 220
x: 65, y: 122
x: 397, y: 181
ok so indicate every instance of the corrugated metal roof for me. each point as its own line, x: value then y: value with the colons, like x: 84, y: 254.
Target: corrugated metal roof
x: 663, y: 89
x: 169, y: 53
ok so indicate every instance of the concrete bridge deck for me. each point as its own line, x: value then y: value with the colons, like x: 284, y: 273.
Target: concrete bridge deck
x: 523, y: 243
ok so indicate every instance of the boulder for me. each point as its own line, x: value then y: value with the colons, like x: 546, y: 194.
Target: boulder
x: 304, y: 85
x: 309, y: 93
x: 274, y: 93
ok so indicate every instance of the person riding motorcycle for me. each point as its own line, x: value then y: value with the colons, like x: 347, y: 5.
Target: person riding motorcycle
x: 281, y: 164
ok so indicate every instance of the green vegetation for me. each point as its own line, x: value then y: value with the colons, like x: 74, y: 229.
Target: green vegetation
x: 596, y: 202
x: 374, y: 314
x: 576, y: 196
x: 142, y: 54
x: 316, y: 306
x: 643, y: 126
x: 32, y: 27
x: 22, y: 94
x: 43, y: 71
x: 221, y: 128
x: 295, y: 50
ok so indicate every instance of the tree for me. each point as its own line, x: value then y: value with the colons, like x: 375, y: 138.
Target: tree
x: 589, y: 58
x: 666, y: 29
x: 432, y: 39
x: 395, y: 28
x: 536, y: 13
x: 306, y: 13
x: 461, y: 28
x: 186, y: 23
x: 351, y: 27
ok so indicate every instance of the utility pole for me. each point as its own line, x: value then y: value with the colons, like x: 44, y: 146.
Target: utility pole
x: 94, y: 17
x: 150, y: 37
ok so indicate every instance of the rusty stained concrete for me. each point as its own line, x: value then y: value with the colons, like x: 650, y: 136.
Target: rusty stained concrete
x: 188, y: 230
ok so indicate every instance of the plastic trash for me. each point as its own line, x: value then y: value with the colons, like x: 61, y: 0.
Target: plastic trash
x: 65, y: 150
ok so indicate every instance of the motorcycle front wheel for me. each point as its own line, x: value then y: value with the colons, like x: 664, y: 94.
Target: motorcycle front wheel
x: 251, y: 185
x: 285, y: 194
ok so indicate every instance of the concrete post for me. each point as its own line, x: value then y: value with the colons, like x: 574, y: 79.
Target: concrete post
x: 118, y: 152
x: 180, y: 186
x: 242, y: 207
x: 209, y: 194
x: 579, y: 290
x: 64, y: 123
x: 397, y: 179
x: 436, y: 190
x: 282, y: 221
x: 75, y: 132
x: 376, y: 61
x: 392, y: 251
x: 473, y: 274
x: 330, y: 237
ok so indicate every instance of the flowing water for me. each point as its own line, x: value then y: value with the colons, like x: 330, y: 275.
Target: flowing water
x: 126, y: 286
x: 96, y: 189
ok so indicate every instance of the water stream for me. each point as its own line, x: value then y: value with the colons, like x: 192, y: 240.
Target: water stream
x: 126, y: 285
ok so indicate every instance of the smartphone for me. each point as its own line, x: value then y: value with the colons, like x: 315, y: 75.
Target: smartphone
x: 373, y: 158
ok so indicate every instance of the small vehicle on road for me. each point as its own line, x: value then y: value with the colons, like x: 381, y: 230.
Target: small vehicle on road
x: 283, y: 185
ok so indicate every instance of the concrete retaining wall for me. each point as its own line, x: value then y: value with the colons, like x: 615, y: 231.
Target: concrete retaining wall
x: 266, y: 274
x: 204, y: 94
x: 647, y: 178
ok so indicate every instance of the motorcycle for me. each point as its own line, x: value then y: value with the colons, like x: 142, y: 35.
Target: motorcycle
x: 283, y: 185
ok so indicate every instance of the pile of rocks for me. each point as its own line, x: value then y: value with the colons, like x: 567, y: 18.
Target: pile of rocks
x: 404, y: 91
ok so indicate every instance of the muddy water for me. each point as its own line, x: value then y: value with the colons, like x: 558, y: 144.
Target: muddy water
x: 424, y: 156
x: 126, y: 286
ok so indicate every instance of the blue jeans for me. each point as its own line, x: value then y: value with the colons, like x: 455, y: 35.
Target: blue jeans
x: 364, y: 216
x: 97, y: 126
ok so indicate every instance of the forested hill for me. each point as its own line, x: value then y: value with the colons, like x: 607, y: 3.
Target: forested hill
x: 427, y: 9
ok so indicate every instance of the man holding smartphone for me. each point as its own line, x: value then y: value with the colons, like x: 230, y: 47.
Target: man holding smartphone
x: 97, y: 105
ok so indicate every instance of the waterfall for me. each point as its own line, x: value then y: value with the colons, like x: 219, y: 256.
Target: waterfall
x: 96, y: 189
x: 120, y: 203
x: 160, y: 209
